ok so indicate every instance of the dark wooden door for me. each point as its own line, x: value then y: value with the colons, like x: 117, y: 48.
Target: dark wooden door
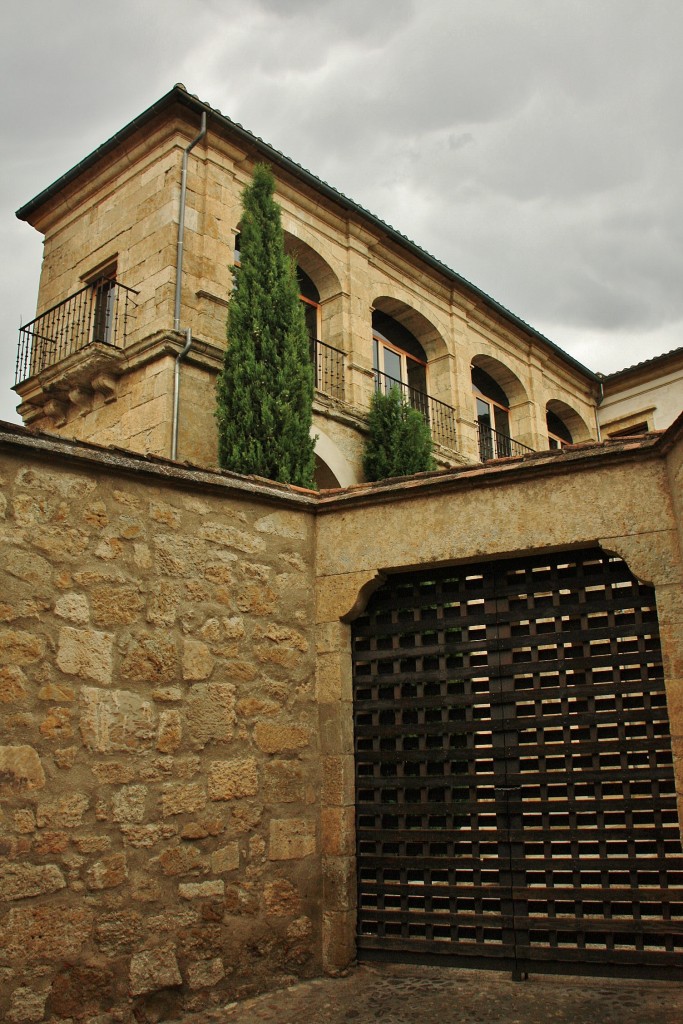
x: 515, y: 793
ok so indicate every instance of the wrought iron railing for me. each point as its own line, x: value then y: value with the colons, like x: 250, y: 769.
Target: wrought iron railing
x: 494, y: 445
x: 439, y: 416
x: 99, y: 312
x: 328, y: 363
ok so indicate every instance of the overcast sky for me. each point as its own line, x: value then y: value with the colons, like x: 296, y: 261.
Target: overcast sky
x: 533, y: 146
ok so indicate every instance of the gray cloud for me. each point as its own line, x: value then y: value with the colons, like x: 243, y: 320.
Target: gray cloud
x: 535, y: 148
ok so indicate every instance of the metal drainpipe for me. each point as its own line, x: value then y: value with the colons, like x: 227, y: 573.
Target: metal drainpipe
x: 178, y: 287
x: 597, y: 406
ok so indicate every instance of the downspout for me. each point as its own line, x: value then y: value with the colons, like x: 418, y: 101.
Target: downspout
x: 597, y: 406
x: 178, y: 286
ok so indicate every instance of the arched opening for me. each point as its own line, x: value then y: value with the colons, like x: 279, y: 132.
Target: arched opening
x: 324, y: 477
x: 403, y: 344
x: 564, y: 424
x: 559, y: 434
x: 397, y: 355
x: 496, y: 391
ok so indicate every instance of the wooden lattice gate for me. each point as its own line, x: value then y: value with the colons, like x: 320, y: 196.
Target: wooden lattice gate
x: 515, y: 792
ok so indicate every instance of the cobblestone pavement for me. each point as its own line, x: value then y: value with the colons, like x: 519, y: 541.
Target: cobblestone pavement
x: 401, y: 994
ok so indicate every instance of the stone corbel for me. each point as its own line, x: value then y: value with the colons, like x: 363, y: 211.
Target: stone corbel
x: 81, y: 399
x: 105, y: 385
x: 55, y: 411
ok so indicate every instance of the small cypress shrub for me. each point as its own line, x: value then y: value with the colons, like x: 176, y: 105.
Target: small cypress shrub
x: 264, y: 393
x: 400, y: 441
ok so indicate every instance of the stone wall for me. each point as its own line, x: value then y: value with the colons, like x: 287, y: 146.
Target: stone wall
x: 159, y: 832
x: 176, y: 752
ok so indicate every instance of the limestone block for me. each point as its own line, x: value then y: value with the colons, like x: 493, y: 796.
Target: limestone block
x: 51, y: 932
x: 338, y: 781
x: 291, y: 838
x: 17, y: 881
x: 170, y: 734
x: 333, y: 677
x: 154, y: 969
x: 211, y: 712
x: 145, y: 836
x: 231, y: 537
x: 150, y: 658
x: 107, y: 873
x: 116, y: 720
x: 281, y: 898
x: 283, y: 782
x: 198, y: 661
x: 274, y: 738
x: 115, y: 606
x: 201, y: 890
x: 163, y: 602
x: 120, y: 933
x: 167, y: 515
x: 86, y: 653
x: 29, y: 566
x: 61, y: 692
x: 338, y: 833
x: 339, y: 940
x: 204, y: 973
x: 339, y: 883
x: 182, y: 860
x: 74, y: 608
x: 18, y: 647
x: 65, y: 812
x: 115, y: 773
x: 225, y: 859
x: 57, y: 724
x: 13, y: 684
x: 59, y: 544
x: 182, y: 799
x: 20, y: 770
x: 26, y: 1006
x: 229, y: 780
x: 128, y: 804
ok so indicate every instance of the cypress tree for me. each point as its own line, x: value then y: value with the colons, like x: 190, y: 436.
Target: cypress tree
x: 265, y: 389
x: 400, y: 441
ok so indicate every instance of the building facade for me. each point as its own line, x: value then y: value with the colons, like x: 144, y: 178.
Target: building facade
x: 133, y: 259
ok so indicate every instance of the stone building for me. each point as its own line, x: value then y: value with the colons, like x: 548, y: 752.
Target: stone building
x: 252, y: 732
x: 98, y: 362
x: 647, y: 396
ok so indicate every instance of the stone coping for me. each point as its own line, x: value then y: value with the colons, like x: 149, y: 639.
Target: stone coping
x: 588, y: 455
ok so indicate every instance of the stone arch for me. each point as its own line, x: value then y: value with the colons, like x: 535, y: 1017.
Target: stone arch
x: 330, y: 462
x: 422, y: 329
x: 313, y: 264
x: 574, y: 423
x: 508, y: 381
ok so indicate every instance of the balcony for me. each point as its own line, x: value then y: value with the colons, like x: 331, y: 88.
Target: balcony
x: 494, y: 445
x: 98, y: 313
x: 328, y: 363
x: 439, y: 416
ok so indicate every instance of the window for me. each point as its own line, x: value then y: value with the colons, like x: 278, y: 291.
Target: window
x: 559, y: 435
x: 493, y: 416
x: 398, y: 358
x: 103, y: 323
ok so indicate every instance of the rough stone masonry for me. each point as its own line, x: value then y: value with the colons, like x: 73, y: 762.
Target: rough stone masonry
x: 159, y: 844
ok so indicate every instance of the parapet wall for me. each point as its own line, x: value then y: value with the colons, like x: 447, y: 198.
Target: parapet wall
x: 176, y: 752
x: 159, y: 833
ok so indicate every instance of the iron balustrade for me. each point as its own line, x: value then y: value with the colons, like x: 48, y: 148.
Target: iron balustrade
x: 99, y: 312
x: 494, y: 445
x: 328, y: 363
x: 439, y: 416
